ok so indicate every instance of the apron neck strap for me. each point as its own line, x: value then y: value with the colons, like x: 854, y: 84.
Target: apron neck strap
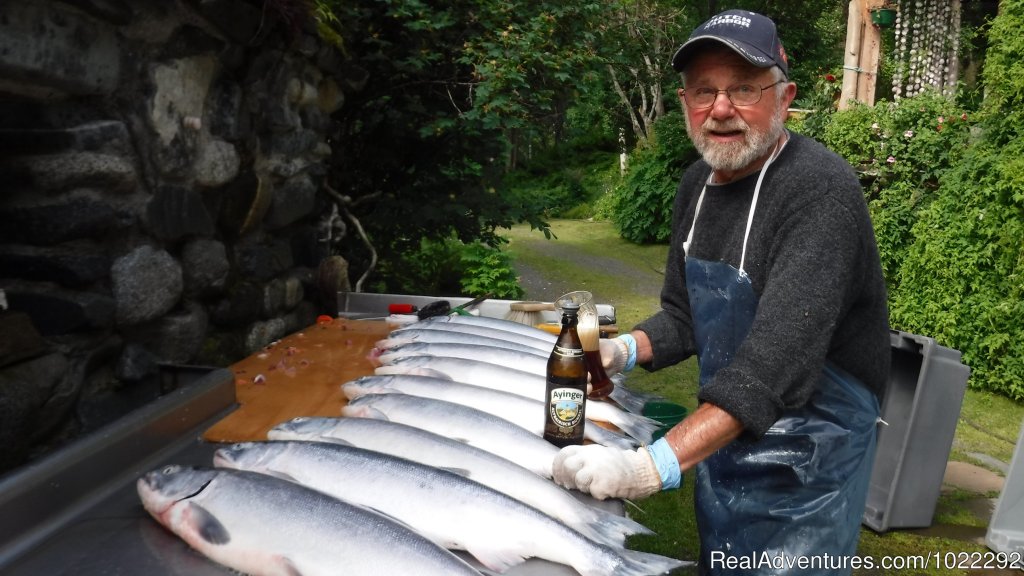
x: 753, y: 203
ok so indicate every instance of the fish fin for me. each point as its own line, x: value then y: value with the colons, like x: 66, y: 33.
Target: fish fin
x: 497, y: 557
x: 289, y: 568
x: 206, y: 525
x: 380, y: 512
x: 412, y: 371
x: 280, y: 475
x: 333, y: 440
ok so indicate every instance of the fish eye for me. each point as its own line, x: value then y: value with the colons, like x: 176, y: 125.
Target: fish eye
x: 171, y: 469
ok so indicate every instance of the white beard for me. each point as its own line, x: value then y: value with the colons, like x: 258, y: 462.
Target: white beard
x: 734, y: 156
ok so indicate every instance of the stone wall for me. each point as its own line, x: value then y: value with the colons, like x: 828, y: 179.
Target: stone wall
x: 160, y: 199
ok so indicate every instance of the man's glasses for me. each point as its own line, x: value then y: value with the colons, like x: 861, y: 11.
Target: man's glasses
x: 739, y: 95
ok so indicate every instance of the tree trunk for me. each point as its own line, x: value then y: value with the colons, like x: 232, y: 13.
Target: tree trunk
x: 638, y: 130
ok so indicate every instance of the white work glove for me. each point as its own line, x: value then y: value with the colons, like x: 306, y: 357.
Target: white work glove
x: 615, y: 353
x: 607, y: 472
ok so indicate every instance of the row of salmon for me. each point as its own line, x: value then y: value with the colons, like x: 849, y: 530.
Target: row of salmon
x: 420, y: 464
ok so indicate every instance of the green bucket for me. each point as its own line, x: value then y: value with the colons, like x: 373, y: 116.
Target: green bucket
x: 668, y: 414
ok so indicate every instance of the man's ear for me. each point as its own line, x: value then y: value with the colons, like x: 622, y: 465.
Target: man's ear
x: 789, y: 94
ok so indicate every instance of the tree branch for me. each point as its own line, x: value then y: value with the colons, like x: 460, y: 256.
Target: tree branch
x: 343, y: 202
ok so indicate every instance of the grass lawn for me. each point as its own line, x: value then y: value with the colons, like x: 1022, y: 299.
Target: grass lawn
x: 987, y: 427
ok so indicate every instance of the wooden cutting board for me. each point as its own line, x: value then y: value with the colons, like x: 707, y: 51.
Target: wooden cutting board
x: 300, y: 375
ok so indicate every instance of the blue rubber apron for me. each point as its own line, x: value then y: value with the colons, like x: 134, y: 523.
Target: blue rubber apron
x: 797, y: 494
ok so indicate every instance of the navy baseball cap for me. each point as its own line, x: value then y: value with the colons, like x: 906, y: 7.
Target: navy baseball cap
x: 749, y: 34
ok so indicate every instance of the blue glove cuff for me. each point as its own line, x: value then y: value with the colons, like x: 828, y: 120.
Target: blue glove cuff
x: 668, y: 467
x: 631, y: 349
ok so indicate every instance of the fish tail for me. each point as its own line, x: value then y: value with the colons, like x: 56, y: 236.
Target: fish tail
x: 612, y: 529
x: 634, y: 563
x: 610, y: 438
x: 640, y: 427
x: 629, y: 400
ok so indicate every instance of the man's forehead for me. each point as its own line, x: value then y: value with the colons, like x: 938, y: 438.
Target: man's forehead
x: 721, y: 63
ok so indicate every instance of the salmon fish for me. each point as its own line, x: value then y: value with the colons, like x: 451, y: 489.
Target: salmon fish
x: 476, y: 464
x: 449, y: 509
x: 474, y: 427
x: 267, y: 526
x: 520, y: 405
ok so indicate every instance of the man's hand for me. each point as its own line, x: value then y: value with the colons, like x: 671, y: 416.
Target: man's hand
x: 607, y: 472
x: 614, y: 354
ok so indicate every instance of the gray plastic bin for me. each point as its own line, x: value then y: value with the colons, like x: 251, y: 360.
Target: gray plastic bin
x: 1006, y: 529
x: 921, y: 407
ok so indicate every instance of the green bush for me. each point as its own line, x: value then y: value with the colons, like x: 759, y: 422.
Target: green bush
x: 641, y: 206
x: 962, y: 278
x: 961, y: 281
x: 817, y: 105
x: 489, y: 270
x: 449, y: 268
x: 564, y: 181
x: 946, y: 192
x: 900, y: 149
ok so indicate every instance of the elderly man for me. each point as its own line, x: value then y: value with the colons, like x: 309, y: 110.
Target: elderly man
x: 773, y: 281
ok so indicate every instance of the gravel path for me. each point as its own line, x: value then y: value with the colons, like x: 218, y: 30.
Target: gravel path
x: 642, y: 276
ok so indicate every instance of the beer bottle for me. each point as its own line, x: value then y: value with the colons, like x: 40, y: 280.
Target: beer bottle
x: 566, y: 392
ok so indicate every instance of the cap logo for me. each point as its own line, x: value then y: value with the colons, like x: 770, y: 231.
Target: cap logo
x: 728, y: 20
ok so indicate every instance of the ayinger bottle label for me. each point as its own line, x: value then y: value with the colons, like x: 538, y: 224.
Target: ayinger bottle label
x: 566, y: 406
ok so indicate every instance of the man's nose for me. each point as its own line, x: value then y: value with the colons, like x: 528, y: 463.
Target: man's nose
x: 722, y: 106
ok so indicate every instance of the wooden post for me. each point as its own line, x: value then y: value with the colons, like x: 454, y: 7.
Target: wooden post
x: 870, y: 54
x: 851, y: 57
x: 863, y: 53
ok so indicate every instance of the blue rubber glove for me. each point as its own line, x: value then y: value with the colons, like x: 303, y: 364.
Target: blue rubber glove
x: 668, y: 467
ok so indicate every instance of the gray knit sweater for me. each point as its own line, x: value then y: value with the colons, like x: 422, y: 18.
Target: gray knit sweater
x: 814, y: 265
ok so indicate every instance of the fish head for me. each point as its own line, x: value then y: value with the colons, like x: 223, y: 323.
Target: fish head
x: 301, y: 427
x: 255, y: 456
x: 364, y: 407
x: 393, y: 340
x: 414, y: 365
x: 160, y: 489
x: 392, y: 355
x: 381, y: 384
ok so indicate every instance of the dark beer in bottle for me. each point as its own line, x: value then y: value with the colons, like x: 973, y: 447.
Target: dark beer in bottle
x: 566, y: 393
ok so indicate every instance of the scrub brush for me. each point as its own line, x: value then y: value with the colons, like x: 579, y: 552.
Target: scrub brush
x: 529, y: 313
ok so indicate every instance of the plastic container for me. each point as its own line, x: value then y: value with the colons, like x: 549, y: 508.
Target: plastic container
x: 921, y: 408
x: 1006, y: 529
x: 667, y: 413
